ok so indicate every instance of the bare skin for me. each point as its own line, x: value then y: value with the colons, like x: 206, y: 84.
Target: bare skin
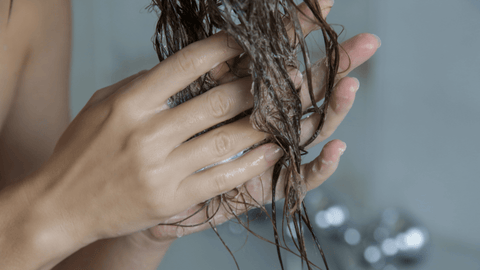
x: 120, y: 167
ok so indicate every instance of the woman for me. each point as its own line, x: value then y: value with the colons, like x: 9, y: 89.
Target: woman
x: 82, y: 194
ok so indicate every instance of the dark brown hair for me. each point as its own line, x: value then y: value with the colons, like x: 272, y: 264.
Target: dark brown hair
x: 258, y: 27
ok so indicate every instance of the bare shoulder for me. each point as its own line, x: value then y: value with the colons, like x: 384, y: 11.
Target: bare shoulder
x: 33, y: 14
x: 26, y: 27
x: 23, y: 23
x: 35, y: 47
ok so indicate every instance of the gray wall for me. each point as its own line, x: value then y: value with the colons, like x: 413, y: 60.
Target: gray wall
x: 412, y: 135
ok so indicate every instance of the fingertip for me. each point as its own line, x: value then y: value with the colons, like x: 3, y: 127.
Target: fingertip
x: 332, y: 151
x: 344, y: 94
x: 354, y: 88
x: 371, y: 41
x: 379, y: 41
x: 342, y: 149
x: 356, y: 51
x: 339, y: 145
x: 327, y: 162
x: 351, y: 84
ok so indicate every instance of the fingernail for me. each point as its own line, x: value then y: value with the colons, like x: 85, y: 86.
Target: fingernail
x: 296, y: 77
x: 379, y: 41
x: 342, y: 149
x: 356, y: 86
x: 273, y: 154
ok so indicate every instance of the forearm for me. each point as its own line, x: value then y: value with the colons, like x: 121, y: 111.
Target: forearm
x: 32, y: 233
x: 136, y: 251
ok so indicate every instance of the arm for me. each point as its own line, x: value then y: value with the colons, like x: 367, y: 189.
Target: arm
x: 137, y: 251
x: 35, y: 112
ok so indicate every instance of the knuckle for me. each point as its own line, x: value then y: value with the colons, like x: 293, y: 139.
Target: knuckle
x: 185, y: 61
x: 222, y: 143
x: 135, y: 148
x: 122, y: 105
x: 325, y: 133
x: 142, y: 72
x: 153, y: 194
x: 152, y: 202
x: 119, y: 104
x: 141, y: 143
x: 219, y: 104
x: 96, y: 96
x: 99, y: 112
x: 135, y: 141
x: 219, y: 184
x: 99, y: 96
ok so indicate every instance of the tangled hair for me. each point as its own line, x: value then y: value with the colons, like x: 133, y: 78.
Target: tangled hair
x: 258, y: 26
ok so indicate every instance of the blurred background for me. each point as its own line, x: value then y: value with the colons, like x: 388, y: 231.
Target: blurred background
x: 412, y: 135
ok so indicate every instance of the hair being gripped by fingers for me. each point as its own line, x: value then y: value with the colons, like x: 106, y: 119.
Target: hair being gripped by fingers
x: 260, y: 28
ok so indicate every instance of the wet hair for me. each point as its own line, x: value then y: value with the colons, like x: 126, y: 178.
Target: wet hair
x: 258, y: 27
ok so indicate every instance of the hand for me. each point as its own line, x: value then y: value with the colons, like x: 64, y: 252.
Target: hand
x: 355, y: 51
x: 121, y: 167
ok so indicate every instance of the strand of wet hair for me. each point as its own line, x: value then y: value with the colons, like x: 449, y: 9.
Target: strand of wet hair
x: 226, y: 204
x: 210, y: 220
x: 177, y: 31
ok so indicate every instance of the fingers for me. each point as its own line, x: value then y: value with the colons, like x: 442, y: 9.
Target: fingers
x: 340, y: 104
x: 307, y: 19
x: 321, y: 168
x: 307, y: 22
x: 222, y: 178
x: 353, y: 53
x: 215, y: 106
x: 215, y: 146
x: 181, y: 69
x: 259, y: 188
x: 314, y: 173
x: 107, y: 91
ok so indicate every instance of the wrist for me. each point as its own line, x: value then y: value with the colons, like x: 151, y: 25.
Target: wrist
x: 145, y: 240
x: 33, y: 224
x: 144, y: 250
x: 26, y: 240
x: 51, y: 218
